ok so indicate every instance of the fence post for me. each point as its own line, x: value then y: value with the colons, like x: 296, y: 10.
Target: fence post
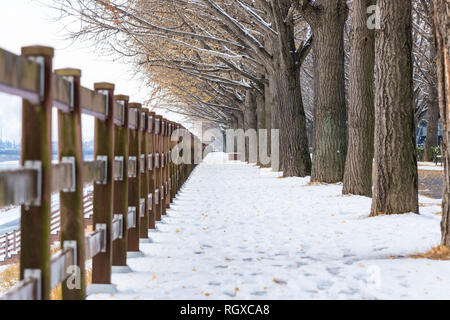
x: 151, y: 188
x: 143, y: 230
x: 166, y: 165
x: 180, y: 154
x: 103, y: 192
x: 71, y: 201
x: 134, y: 183
x: 163, y: 167
x: 174, y: 169
x: 119, y: 246
x: 15, y: 241
x: 157, y: 170
x: 37, y: 152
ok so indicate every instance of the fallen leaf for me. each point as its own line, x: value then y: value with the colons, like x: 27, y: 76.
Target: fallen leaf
x: 279, y: 281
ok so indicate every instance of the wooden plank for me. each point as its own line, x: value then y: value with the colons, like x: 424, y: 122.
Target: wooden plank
x: 131, y: 219
x: 19, y: 76
x: 62, y: 93
x: 93, y: 171
x: 94, y: 243
x: 132, y: 167
x: 119, y: 114
x: 59, y: 265
x: 93, y: 103
x: 18, y: 186
x: 118, y: 169
x: 61, y: 176
x: 132, y: 118
x: 23, y: 290
x: 116, y: 226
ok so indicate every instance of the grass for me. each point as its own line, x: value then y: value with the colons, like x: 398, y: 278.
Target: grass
x: 436, y: 253
x: 10, y: 276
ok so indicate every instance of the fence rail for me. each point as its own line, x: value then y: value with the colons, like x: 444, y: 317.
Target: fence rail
x: 134, y: 179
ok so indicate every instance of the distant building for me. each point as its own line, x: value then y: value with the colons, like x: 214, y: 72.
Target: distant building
x: 421, y: 133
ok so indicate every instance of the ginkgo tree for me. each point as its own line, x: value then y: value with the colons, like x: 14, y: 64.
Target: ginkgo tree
x: 246, y: 46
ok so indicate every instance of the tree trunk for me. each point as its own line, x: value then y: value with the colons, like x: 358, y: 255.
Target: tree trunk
x: 294, y: 151
x: 433, y: 105
x: 330, y: 132
x: 250, y: 123
x: 431, y: 140
x: 358, y: 165
x: 395, y: 187
x: 289, y: 111
x: 260, y: 117
x: 442, y: 33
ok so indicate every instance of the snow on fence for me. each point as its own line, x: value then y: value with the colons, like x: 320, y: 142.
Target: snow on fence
x: 134, y: 179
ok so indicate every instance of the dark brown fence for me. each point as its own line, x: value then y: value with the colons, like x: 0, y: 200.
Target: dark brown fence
x: 134, y: 179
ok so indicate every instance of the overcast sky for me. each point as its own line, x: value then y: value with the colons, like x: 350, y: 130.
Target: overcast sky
x: 29, y: 22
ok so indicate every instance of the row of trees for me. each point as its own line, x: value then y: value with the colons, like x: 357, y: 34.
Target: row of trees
x: 357, y: 77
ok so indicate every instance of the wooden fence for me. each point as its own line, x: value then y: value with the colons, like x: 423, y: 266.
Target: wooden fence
x: 134, y: 179
x: 10, y: 241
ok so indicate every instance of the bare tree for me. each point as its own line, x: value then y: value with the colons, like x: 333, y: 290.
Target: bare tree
x: 358, y: 166
x: 249, y: 45
x: 327, y: 19
x: 442, y: 33
x: 425, y: 73
x: 396, y: 186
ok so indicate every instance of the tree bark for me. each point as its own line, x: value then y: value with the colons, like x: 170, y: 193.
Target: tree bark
x: 395, y: 187
x: 358, y: 165
x: 260, y: 117
x: 330, y: 134
x: 431, y: 140
x: 442, y: 34
x: 250, y: 121
x: 289, y: 114
x: 294, y: 150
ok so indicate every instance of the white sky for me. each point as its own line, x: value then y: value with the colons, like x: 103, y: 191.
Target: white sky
x: 29, y: 22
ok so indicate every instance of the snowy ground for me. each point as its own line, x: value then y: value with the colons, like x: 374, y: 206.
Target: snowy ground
x: 431, y: 166
x: 236, y: 231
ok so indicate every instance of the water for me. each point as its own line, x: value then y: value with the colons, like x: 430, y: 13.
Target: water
x: 8, y: 161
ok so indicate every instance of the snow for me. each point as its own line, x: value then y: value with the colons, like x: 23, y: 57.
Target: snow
x: 236, y: 231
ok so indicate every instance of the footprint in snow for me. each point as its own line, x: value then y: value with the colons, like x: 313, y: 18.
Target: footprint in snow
x: 259, y: 293
x: 323, y: 285
x: 333, y: 270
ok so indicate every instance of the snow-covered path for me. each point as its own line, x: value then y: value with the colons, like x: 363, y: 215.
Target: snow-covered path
x: 237, y: 231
